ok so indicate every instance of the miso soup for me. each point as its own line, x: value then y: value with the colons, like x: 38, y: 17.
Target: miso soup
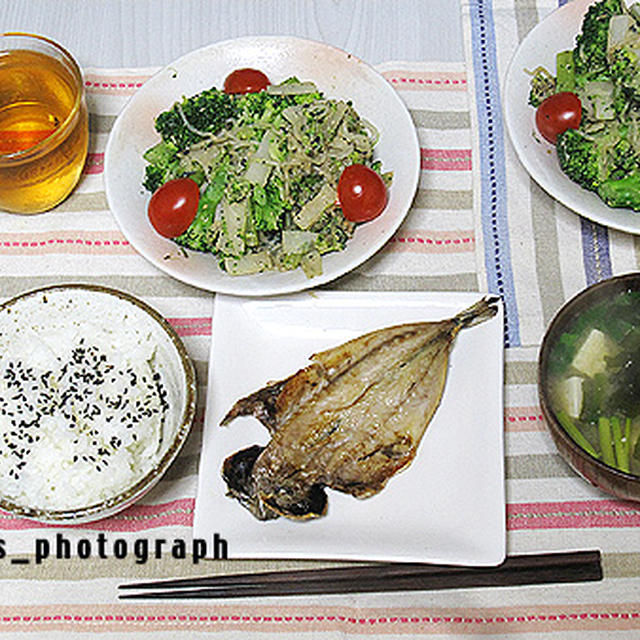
x: 594, y: 380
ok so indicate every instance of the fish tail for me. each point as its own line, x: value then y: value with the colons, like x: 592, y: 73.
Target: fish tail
x: 478, y: 312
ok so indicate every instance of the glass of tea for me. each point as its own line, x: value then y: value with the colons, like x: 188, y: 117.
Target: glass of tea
x: 44, y: 130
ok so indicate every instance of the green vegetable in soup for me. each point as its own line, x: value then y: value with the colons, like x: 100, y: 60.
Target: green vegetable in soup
x: 594, y: 369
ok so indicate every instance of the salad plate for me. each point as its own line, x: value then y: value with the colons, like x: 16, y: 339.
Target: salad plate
x: 554, y: 33
x: 447, y: 506
x: 337, y: 74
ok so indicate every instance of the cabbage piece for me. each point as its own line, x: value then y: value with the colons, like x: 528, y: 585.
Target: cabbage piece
x: 249, y: 263
x: 291, y: 88
x: 260, y: 163
x: 297, y: 241
x: 313, y: 210
x: 234, y: 216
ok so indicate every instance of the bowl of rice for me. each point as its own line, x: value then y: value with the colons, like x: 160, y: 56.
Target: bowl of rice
x: 97, y: 397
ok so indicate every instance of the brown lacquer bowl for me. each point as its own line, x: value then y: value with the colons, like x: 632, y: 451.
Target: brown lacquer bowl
x: 611, y: 480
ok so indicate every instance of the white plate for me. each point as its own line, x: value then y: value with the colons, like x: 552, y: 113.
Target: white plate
x: 448, y: 506
x: 337, y: 74
x: 555, y: 33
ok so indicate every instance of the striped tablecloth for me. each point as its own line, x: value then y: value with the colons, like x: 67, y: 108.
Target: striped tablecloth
x: 478, y: 222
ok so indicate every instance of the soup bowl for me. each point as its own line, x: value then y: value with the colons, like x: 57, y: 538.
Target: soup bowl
x: 607, y: 477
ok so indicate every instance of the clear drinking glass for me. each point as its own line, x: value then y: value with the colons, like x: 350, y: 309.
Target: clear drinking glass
x: 44, y: 130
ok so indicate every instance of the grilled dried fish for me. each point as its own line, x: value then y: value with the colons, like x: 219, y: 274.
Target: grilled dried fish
x: 349, y: 421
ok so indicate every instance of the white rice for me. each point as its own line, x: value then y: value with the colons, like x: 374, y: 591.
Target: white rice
x: 87, y: 399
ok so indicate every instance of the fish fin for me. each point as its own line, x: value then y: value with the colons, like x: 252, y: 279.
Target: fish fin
x: 301, y: 503
x: 274, y: 402
x: 261, y: 404
x: 237, y: 472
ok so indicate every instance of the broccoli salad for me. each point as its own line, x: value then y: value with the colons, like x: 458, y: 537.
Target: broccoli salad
x: 267, y: 165
x: 600, y: 150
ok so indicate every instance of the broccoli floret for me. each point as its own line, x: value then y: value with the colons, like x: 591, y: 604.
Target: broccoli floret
x: 590, y: 53
x: 625, y: 69
x: 623, y: 192
x: 163, y: 162
x: 579, y: 158
x: 542, y: 85
x: 237, y: 190
x: 267, y: 206
x: 255, y: 106
x: 203, y: 233
x: 622, y: 159
x: 208, y: 111
x: 267, y: 107
x: 305, y: 188
x: 153, y: 177
x: 333, y: 230
x: 604, y: 162
x: 199, y: 237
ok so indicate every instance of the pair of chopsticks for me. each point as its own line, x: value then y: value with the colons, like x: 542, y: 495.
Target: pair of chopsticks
x: 577, y: 566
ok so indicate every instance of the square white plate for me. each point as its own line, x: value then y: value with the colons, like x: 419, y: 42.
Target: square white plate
x: 448, y: 506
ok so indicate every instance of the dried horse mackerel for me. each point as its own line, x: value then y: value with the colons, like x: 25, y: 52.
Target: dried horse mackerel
x: 349, y: 421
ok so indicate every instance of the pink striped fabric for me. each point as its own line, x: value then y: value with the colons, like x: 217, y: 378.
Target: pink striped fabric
x: 585, y: 514
x: 66, y: 241
x: 404, y: 80
x: 445, y: 159
x: 191, y: 326
x: 623, y: 616
x: 139, y: 517
x: 426, y: 80
x: 425, y: 241
x: 524, y: 419
x: 114, y: 85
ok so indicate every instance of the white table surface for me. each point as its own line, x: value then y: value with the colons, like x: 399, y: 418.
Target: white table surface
x: 141, y: 33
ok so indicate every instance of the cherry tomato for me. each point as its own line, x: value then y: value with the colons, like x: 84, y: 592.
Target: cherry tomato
x: 245, y: 81
x: 558, y: 113
x: 362, y: 193
x: 173, y: 207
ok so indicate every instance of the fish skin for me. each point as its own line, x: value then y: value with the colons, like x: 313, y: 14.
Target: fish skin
x: 349, y: 421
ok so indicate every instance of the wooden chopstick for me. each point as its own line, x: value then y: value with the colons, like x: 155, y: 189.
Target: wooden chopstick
x: 576, y: 566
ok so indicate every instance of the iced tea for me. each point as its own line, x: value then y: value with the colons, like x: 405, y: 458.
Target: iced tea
x: 43, y: 123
